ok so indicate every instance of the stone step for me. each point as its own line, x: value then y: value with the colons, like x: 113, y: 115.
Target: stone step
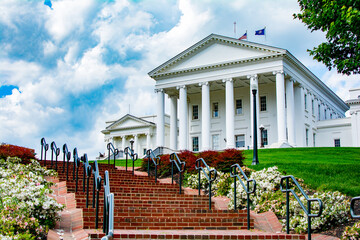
x: 193, y: 234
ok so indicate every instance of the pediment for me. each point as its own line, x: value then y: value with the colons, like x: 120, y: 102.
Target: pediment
x: 129, y: 121
x: 213, y: 51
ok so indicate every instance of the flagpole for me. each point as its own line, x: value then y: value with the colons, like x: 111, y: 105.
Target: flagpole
x: 234, y: 29
x: 265, y: 33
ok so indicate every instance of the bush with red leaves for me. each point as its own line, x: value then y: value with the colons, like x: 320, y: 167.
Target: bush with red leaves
x: 7, y: 150
x: 219, y: 160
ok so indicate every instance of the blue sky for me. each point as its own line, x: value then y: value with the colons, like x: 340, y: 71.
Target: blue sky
x: 65, y: 71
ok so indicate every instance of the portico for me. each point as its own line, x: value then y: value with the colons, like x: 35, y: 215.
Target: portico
x: 210, y: 84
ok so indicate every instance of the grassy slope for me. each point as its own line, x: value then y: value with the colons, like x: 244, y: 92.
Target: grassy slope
x: 121, y: 162
x: 321, y: 168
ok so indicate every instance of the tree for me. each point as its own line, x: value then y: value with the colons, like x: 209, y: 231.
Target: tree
x: 340, y: 20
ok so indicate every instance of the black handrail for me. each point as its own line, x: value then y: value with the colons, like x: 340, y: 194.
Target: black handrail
x: 57, y: 153
x: 114, y: 150
x: 45, y: 147
x: 133, y: 156
x: 97, y: 188
x: 309, y: 200
x: 67, y: 155
x: 174, y: 159
x: 352, y: 204
x: 235, y: 175
x: 108, y: 225
x: 209, y: 178
x: 154, y: 159
x: 87, y: 172
x: 76, y: 165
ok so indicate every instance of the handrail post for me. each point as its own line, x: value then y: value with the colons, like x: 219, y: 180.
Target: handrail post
x: 172, y: 172
x: 248, y: 206
x: 309, y: 220
x: 199, y: 182
x: 77, y: 175
x: 210, y: 192
x: 87, y: 185
x: 234, y: 191
x: 180, y: 178
x: 287, y: 207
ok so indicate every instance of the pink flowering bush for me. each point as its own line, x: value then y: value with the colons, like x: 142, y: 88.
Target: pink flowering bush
x: 352, y: 233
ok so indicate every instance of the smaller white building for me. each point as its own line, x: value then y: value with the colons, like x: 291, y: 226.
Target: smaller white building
x: 140, y: 129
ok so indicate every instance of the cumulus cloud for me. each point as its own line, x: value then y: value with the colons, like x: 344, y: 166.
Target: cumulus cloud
x: 87, y: 61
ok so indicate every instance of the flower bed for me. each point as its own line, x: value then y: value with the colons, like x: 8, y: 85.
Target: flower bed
x: 26, y: 210
x: 269, y: 197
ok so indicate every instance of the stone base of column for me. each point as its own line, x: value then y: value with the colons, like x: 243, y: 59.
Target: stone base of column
x: 281, y: 145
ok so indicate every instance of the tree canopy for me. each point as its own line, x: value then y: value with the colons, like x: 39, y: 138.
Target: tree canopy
x: 340, y: 20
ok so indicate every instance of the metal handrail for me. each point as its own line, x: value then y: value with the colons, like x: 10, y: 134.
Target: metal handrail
x: 57, y: 153
x: 156, y: 160
x: 114, y: 150
x: 87, y: 172
x: 44, y: 146
x: 209, y: 178
x: 174, y: 159
x: 97, y: 188
x: 246, y: 188
x: 108, y: 225
x: 133, y: 156
x: 66, y: 154
x: 352, y: 204
x: 309, y: 201
x: 76, y: 165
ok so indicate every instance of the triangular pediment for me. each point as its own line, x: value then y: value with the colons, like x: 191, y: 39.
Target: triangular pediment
x: 128, y: 121
x: 213, y: 51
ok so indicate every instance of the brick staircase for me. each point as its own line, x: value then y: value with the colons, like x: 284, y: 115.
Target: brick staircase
x: 145, y: 209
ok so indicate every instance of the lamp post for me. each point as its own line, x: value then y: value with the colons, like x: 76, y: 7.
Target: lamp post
x: 132, y: 144
x: 261, y: 135
x: 255, y: 153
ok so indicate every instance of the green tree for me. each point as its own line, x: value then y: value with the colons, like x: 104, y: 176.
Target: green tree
x: 340, y: 20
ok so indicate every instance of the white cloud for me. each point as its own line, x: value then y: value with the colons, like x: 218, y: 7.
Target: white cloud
x: 341, y: 84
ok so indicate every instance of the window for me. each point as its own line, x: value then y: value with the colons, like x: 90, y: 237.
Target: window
x: 330, y: 115
x: 314, y: 139
x: 305, y: 101
x: 215, y: 142
x: 319, y: 112
x: 238, y: 106
x: 307, y: 137
x: 144, y: 151
x: 195, y: 113
x: 240, y: 141
x: 215, y: 110
x: 264, y: 137
x: 263, y: 103
x: 195, y: 144
x: 337, y: 142
x: 312, y: 106
x: 325, y: 113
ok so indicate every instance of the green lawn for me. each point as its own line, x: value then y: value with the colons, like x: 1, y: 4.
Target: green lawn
x: 121, y: 162
x: 321, y: 168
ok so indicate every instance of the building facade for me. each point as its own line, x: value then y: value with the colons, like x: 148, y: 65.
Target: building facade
x: 139, y: 129
x: 210, y: 86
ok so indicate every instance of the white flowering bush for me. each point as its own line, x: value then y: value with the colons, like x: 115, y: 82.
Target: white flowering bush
x: 25, y: 205
x: 268, y: 197
x: 218, y: 186
x: 352, y: 233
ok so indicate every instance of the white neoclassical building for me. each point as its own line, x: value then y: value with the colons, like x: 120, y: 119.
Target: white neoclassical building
x: 210, y: 85
x: 210, y: 89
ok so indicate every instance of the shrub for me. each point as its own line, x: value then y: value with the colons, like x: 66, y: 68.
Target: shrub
x: 227, y: 158
x: 268, y: 197
x: 25, y: 154
x: 351, y: 233
x: 24, y: 195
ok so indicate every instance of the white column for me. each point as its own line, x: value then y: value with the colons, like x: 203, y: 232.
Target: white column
x: 230, y: 112
x: 136, y: 141
x: 173, y: 122
x: 290, y: 117
x: 148, y: 141
x: 205, y: 115
x: 183, y: 118
x: 254, y: 82
x: 160, y: 124
x: 280, y: 106
x: 123, y: 138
